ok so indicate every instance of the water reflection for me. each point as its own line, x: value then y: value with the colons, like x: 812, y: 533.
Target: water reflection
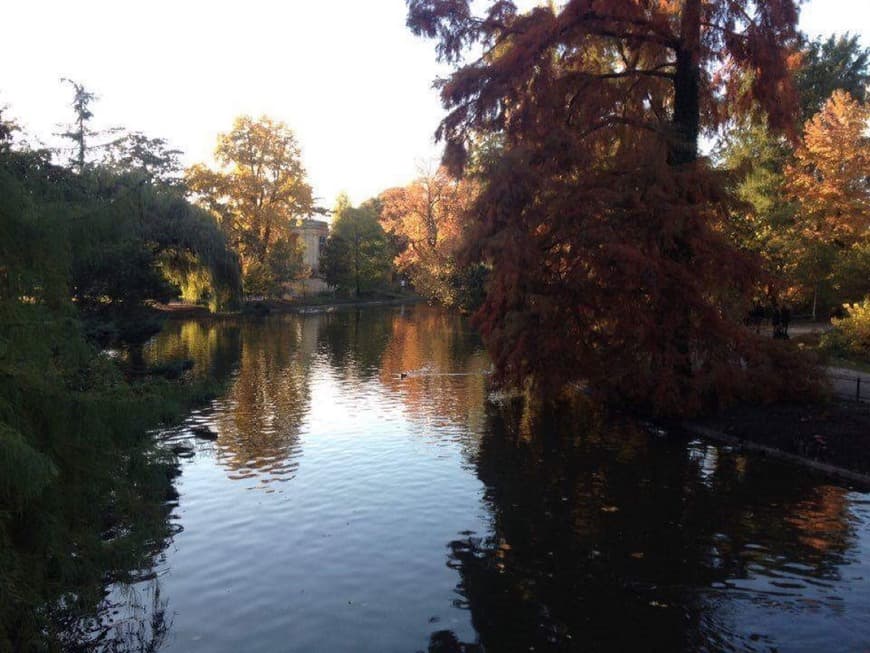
x: 437, y: 368
x: 133, y: 619
x: 266, y: 364
x: 212, y: 345
x: 420, y: 516
x: 428, y: 360
x: 604, y: 538
x: 352, y: 342
x: 260, y: 418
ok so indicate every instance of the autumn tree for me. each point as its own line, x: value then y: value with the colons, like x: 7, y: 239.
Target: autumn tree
x: 258, y: 193
x: 357, y: 255
x: 427, y: 217
x: 830, y: 173
x: 829, y: 181
x: 806, y: 271
x: 602, y: 225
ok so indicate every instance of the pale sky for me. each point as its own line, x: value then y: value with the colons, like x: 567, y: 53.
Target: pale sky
x: 346, y: 75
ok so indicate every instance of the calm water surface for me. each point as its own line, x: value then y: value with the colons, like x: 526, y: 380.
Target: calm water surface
x: 346, y: 507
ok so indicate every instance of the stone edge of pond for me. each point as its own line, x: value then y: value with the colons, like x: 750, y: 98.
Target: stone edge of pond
x: 337, y: 306
x: 841, y: 473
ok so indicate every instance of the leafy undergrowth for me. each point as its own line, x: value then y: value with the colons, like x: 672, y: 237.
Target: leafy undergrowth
x: 850, y: 337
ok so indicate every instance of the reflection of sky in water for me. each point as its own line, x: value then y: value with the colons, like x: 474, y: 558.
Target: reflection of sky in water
x: 387, y: 511
x: 707, y: 457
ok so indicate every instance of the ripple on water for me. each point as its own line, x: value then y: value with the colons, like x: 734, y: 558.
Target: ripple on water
x: 345, y: 508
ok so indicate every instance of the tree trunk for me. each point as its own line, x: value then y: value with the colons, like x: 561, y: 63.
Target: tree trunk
x: 264, y: 246
x: 687, y: 85
x: 682, y: 151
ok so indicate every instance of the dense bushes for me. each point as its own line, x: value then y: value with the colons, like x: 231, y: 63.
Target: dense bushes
x: 83, y: 488
x: 850, y: 336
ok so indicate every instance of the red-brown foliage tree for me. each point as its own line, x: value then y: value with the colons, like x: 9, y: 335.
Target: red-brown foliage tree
x: 600, y: 220
x: 428, y: 218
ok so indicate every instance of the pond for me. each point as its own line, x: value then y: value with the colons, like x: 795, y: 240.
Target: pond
x: 366, y: 493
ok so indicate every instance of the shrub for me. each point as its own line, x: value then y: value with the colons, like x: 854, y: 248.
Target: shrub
x: 850, y: 336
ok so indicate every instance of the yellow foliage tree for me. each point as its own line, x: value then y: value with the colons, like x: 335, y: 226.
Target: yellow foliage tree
x: 829, y: 181
x: 830, y: 177
x: 258, y: 193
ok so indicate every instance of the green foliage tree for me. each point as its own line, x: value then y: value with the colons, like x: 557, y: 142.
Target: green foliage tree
x: 835, y: 63
x: 128, y: 243
x: 258, y: 194
x: 762, y: 221
x: 357, y: 255
x: 82, y: 489
x: 151, y: 158
x: 8, y: 128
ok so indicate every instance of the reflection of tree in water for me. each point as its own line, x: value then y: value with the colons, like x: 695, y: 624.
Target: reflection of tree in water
x: 75, y: 607
x: 139, y: 623
x: 444, y: 364
x: 604, y: 540
x: 354, y: 341
x: 259, y: 419
x: 212, y: 345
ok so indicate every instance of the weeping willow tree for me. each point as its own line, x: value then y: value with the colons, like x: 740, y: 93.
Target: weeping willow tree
x: 128, y: 242
x: 83, y: 489
x: 193, y: 253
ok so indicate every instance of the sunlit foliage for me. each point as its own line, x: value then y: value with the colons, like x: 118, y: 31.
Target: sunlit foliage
x: 829, y: 177
x: 828, y: 183
x: 428, y: 217
x: 258, y: 193
x: 851, y: 334
x: 602, y: 225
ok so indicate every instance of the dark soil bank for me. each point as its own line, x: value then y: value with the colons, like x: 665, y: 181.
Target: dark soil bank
x: 836, y: 434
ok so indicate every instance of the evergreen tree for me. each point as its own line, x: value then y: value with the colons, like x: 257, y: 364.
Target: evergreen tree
x: 79, y: 130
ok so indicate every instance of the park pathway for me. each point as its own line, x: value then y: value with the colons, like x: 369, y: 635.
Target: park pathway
x: 850, y: 384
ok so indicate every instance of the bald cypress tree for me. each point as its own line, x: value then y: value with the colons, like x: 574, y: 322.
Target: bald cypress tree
x: 600, y: 221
